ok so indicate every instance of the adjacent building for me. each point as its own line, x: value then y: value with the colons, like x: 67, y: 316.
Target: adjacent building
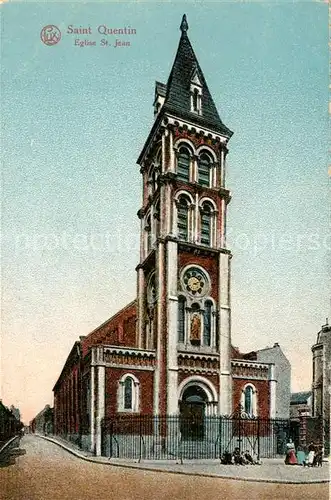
x: 170, y: 349
x: 10, y: 424
x: 43, y: 422
x: 280, y: 377
x: 301, y: 405
x: 321, y: 386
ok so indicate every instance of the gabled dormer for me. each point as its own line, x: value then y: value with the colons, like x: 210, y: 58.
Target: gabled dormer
x: 196, y: 92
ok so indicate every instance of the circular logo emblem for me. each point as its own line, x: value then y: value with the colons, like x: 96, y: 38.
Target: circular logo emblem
x: 50, y: 35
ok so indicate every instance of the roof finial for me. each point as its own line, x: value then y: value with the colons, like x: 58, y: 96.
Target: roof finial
x: 184, y: 25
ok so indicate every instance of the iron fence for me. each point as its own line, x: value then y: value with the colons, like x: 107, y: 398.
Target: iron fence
x: 176, y: 437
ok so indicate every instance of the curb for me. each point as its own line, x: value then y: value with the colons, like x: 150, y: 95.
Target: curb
x: 8, y: 444
x: 186, y: 473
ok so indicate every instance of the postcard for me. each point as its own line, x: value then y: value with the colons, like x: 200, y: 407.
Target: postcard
x: 165, y: 249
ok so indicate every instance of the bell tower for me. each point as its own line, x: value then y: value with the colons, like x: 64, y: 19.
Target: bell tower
x: 183, y: 277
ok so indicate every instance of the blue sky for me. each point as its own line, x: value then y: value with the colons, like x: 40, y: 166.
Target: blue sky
x: 74, y: 122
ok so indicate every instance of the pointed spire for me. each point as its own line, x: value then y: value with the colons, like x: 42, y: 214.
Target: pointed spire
x: 184, y: 25
x: 185, y: 70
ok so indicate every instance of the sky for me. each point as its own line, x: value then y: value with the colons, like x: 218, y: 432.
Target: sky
x: 74, y: 122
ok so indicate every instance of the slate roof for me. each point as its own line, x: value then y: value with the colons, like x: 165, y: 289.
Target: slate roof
x: 300, y: 397
x: 177, y: 98
x: 161, y: 89
x: 177, y: 92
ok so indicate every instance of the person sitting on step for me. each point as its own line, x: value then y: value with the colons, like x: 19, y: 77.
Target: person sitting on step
x: 248, y: 457
x: 226, y: 458
x: 238, y: 457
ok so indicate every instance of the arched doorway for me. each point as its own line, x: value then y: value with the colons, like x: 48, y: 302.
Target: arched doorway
x: 192, y: 413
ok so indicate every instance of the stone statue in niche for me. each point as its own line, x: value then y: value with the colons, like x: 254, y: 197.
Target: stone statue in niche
x: 195, y: 329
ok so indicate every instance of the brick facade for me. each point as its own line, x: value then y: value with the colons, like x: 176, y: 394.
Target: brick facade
x: 263, y: 395
x: 113, y: 377
x: 208, y: 262
x: 118, y: 330
x: 67, y: 395
x: 174, y: 341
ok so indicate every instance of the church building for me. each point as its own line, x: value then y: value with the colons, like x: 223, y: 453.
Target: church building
x: 171, y: 347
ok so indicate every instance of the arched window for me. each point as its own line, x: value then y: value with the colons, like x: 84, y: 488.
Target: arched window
x: 183, y: 218
x: 158, y: 166
x: 148, y: 230
x: 157, y: 219
x: 151, y: 180
x: 157, y: 108
x: 249, y: 400
x: 128, y: 394
x: 183, y: 164
x: 181, y: 319
x: 195, y: 100
x: 206, y: 224
x: 207, y: 323
x: 158, y: 161
x: 204, y: 164
x: 151, y: 289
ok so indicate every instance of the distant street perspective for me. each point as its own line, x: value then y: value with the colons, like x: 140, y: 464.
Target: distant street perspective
x: 47, y: 471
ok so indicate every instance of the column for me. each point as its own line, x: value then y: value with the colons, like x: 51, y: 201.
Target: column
x: 169, y: 208
x: 101, y: 409
x: 172, y: 303
x: 163, y: 155
x: 196, y: 225
x: 172, y: 162
x: 140, y: 306
x: 224, y: 333
x: 222, y: 238
x: 92, y: 406
x: 222, y: 176
x: 159, y: 330
x: 272, y: 385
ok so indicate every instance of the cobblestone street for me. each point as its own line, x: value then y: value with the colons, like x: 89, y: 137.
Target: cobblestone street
x: 47, y: 471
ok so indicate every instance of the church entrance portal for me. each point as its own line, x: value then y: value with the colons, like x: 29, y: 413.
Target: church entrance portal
x: 192, y: 413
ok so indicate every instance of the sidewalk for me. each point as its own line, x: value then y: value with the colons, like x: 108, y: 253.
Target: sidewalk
x: 272, y: 470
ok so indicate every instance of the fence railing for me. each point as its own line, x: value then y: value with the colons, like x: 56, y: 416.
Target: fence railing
x: 175, y: 437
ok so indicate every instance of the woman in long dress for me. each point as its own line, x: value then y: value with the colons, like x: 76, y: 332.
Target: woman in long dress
x: 290, y: 458
x: 311, y: 454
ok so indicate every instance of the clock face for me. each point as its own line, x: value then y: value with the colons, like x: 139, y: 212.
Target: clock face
x: 195, y: 281
x: 193, y: 284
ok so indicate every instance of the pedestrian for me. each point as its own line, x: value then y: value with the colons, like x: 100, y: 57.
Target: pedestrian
x: 301, y: 456
x: 311, y: 454
x: 248, y: 457
x: 226, y: 458
x: 237, y: 456
x: 290, y: 458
